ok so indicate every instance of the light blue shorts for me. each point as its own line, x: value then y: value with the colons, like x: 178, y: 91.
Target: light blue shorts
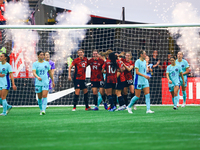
x: 39, y: 89
x: 141, y: 86
x: 5, y: 87
x: 185, y: 79
x: 171, y: 86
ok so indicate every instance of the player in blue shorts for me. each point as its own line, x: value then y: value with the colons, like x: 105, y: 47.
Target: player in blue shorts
x: 40, y: 69
x: 141, y: 82
x: 185, y: 68
x: 173, y: 72
x: 5, y: 84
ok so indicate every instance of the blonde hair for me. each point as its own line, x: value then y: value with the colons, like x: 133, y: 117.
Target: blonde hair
x: 129, y: 54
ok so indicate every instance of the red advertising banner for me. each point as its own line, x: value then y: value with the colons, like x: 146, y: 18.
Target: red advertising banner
x: 192, y: 90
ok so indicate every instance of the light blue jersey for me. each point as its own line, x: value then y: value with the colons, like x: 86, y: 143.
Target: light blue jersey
x: 174, y: 72
x: 5, y: 82
x: 140, y: 81
x: 41, y: 71
x: 183, y: 65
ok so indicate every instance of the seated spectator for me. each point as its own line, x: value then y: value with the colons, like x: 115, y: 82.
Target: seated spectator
x: 165, y: 64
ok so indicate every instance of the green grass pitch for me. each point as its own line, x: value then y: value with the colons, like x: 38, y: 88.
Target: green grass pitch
x: 61, y: 128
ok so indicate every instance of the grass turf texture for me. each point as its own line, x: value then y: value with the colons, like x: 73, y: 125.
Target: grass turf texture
x: 61, y: 128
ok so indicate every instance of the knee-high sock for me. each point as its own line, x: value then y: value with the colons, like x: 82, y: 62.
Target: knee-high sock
x: 184, y: 96
x: 178, y: 96
x: 125, y: 99
x: 147, y: 99
x: 110, y: 98
x: 114, y: 99
x: 40, y: 104
x: 4, y: 102
x: 95, y: 99
x: 121, y: 100
x: 175, y: 101
x: 86, y: 100
x: 75, y: 100
x: 133, y: 100
x: 44, y: 104
x: 104, y: 98
x: 99, y: 99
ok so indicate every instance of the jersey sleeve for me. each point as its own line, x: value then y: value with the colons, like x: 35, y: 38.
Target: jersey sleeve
x: 180, y: 70
x: 53, y: 66
x: 137, y: 64
x: 89, y: 61
x: 34, y: 66
x: 104, y: 66
x: 167, y: 69
x: 186, y: 64
x: 9, y: 69
x: 74, y: 62
x: 49, y: 66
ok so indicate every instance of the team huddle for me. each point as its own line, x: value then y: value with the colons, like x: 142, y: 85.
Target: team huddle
x: 111, y: 77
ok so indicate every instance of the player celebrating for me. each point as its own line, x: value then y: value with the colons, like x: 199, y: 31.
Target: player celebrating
x: 5, y: 84
x: 111, y: 66
x: 80, y: 64
x: 40, y: 69
x: 96, y: 79
x: 183, y: 64
x: 173, y: 72
x: 128, y: 64
x: 141, y: 82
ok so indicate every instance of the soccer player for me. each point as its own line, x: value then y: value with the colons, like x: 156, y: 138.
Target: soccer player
x: 173, y: 72
x: 52, y: 64
x: 80, y: 64
x: 129, y: 65
x: 185, y: 68
x: 96, y: 79
x: 111, y: 66
x: 5, y: 84
x: 40, y: 69
x: 141, y: 82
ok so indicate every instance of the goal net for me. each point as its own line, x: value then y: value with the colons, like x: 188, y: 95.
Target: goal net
x: 62, y: 42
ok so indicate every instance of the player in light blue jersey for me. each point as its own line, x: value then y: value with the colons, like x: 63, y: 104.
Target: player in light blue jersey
x: 141, y: 82
x: 40, y: 69
x: 173, y: 72
x: 5, y: 84
x: 185, y: 68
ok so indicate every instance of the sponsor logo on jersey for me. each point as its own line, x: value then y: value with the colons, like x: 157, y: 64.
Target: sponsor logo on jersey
x: 3, y: 69
x: 182, y: 66
x: 176, y: 69
x: 45, y: 66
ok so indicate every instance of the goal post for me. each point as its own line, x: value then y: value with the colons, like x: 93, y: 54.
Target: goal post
x: 62, y: 42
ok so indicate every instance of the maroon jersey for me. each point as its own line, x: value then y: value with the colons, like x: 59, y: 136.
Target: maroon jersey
x: 128, y: 74
x: 122, y: 77
x: 111, y: 75
x: 96, y: 68
x: 80, y: 68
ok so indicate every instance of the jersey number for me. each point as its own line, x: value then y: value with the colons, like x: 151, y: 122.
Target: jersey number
x: 94, y: 67
x: 110, y: 69
x: 41, y: 72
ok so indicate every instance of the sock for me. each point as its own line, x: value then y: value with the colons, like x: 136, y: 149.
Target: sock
x: 110, y: 98
x: 114, y: 99
x: 184, y: 96
x: 40, y: 104
x: 173, y: 100
x: 75, y: 100
x: 133, y: 100
x: 99, y: 99
x: 125, y: 99
x: 95, y: 99
x: 44, y: 104
x: 86, y: 100
x: 147, y: 99
x: 0, y: 101
x: 178, y: 96
x: 104, y: 98
x: 121, y: 100
x: 4, y: 102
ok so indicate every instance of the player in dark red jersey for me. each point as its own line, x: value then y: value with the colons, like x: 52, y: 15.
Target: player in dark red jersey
x: 80, y: 64
x: 112, y: 67
x: 129, y: 65
x: 96, y: 79
x: 120, y: 85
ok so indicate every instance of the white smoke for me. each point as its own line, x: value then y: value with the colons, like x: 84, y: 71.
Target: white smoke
x: 188, y: 41
x: 68, y: 40
x: 25, y: 40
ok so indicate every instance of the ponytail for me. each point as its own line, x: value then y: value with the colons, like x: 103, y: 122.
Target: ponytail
x: 113, y: 59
